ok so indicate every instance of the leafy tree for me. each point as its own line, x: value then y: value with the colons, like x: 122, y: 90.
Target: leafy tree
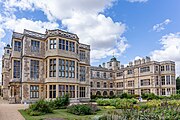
x: 178, y: 83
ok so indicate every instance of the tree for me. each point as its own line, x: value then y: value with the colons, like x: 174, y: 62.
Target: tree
x: 178, y: 84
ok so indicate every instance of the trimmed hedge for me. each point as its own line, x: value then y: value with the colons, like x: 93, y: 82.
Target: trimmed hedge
x: 82, y: 109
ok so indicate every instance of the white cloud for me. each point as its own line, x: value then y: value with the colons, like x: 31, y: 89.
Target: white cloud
x: 161, y: 26
x: 18, y: 25
x: 140, y: 1
x: 170, y: 50
x: 83, y: 17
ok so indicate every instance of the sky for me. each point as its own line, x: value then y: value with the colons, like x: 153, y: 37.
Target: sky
x: 129, y: 29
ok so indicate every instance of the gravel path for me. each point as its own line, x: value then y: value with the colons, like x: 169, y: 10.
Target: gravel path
x: 10, y: 111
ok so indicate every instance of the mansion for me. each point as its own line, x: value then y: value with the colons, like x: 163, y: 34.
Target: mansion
x: 53, y: 64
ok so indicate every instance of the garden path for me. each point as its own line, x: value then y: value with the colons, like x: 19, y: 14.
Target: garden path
x: 10, y: 111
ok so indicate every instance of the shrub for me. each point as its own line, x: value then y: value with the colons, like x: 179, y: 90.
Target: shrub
x: 126, y: 95
x: 40, y: 107
x: 118, y: 103
x: 80, y: 109
x: 176, y: 97
x: 110, y: 107
x: 61, y: 102
x: 103, y: 102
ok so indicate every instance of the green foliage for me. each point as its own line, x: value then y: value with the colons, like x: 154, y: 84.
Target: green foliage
x: 152, y: 110
x: 80, y: 109
x: 118, y: 103
x: 178, y: 83
x: 43, y: 107
x: 60, y: 102
x: 175, y: 97
x: 126, y: 96
x: 149, y: 96
x: 40, y: 107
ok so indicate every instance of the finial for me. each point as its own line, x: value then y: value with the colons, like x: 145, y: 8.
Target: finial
x: 113, y: 54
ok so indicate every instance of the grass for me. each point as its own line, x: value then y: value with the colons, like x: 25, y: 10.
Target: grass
x: 61, y: 113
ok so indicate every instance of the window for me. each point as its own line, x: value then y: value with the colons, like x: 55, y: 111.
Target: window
x: 168, y: 91
x: 110, y: 64
x: 16, y: 69
x: 173, y: 91
x: 167, y: 68
x: 111, y: 85
x: 82, y: 91
x: 119, y: 84
x: 82, y: 73
x: 35, y: 45
x: 173, y: 81
x: 62, y: 68
x: 157, y: 91
x: 7, y: 51
x: 130, y: 72
x: 144, y: 69
x: 67, y: 45
x: 131, y: 83
x: 98, y: 74
x: 52, y: 91
x: 52, y: 71
x: 172, y: 68
x: 82, y: 55
x: 77, y: 70
x: 119, y: 74
x: 62, y: 44
x: 145, y: 82
x: 34, y: 91
x: 110, y: 74
x: 61, y: 90
x: 162, y: 80
x: 105, y: 85
x: 71, y: 46
x: 72, y: 69
x: 66, y: 68
x: 72, y: 91
x: 131, y: 91
x: 98, y: 84
x: 157, y: 80
x: 157, y: 68
x: 162, y: 68
x: 104, y: 75
x: 91, y: 84
x: 119, y: 92
x: 168, y: 80
x: 17, y: 46
x: 145, y: 91
x: 34, y: 69
x: 163, y: 92
x: 52, y: 43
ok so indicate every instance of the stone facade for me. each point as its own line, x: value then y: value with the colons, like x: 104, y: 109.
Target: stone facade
x: 29, y: 73
x: 55, y: 63
x: 144, y: 76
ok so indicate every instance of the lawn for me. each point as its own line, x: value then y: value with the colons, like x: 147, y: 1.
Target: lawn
x: 62, y: 113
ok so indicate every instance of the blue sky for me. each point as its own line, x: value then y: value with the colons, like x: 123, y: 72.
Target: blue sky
x: 130, y: 29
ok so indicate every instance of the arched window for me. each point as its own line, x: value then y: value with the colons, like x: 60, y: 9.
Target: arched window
x: 111, y: 93
x: 105, y: 93
x: 98, y: 93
